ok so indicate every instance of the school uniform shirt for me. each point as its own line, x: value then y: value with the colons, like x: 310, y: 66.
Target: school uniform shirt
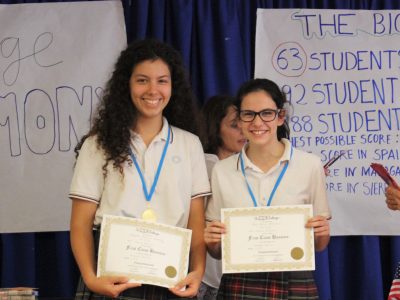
x: 183, y: 177
x: 213, y: 272
x: 303, y: 183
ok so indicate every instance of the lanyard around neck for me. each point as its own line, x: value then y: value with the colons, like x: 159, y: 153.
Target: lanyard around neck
x: 277, y: 183
x: 160, y: 164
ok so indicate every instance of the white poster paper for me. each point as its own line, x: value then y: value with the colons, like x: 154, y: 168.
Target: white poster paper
x: 340, y: 71
x: 54, y: 61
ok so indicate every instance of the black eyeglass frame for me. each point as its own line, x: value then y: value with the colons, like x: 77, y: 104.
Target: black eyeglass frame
x: 258, y: 113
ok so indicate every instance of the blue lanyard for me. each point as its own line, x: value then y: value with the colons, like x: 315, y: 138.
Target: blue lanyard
x: 277, y: 183
x: 160, y: 164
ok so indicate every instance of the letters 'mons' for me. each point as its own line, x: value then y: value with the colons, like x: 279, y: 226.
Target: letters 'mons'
x: 43, y: 123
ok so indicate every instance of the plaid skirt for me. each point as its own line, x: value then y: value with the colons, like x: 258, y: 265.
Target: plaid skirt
x: 143, y: 292
x: 207, y: 292
x: 271, y: 286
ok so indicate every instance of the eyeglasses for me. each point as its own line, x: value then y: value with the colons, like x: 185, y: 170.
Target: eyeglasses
x: 267, y: 115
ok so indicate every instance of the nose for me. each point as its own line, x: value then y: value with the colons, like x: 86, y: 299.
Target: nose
x: 239, y: 130
x: 152, y: 87
x: 257, y: 120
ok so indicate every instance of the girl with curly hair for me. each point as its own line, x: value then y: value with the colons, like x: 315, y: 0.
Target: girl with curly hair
x: 144, y: 129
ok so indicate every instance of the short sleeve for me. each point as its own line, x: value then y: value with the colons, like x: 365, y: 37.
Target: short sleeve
x: 214, y: 205
x: 318, y: 191
x: 88, y: 178
x: 211, y: 160
x: 200, y: 182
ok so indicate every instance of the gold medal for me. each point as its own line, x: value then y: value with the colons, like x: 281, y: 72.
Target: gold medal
x: 149, y: 215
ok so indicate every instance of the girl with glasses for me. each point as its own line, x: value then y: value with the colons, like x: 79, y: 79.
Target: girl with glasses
x: 267, y: 171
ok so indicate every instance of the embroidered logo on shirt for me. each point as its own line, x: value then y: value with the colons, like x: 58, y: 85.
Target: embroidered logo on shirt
x: 176, y: 159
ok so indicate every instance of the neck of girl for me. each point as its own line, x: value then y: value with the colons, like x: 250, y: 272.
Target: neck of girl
x: 265, y: 156
x: 148, y: 128
x: 224, y: 153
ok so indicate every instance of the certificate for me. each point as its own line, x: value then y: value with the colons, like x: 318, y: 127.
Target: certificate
x: 267, y: 239
x: 144, y: 251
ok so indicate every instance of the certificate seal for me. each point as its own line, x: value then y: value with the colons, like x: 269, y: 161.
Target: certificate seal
x: 297, y: 253
x: 170, y: 271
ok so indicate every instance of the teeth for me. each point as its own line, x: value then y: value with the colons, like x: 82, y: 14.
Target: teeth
x: 153, y: 102
x: 258, y: 132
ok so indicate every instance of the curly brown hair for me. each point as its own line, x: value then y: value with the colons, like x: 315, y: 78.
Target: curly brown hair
x: 116, y: 114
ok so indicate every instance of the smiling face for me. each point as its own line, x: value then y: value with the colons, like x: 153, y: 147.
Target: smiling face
x: 259, y: 132
x: 230, y: 133
x: 150, y: 88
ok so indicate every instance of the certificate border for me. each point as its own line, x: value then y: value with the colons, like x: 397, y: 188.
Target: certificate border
x: 229, y: 267
x: 109, y: 221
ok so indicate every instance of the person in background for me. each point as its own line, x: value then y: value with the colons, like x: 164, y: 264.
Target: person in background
x: 143, y: 126
x: 268, y: 171
x: 221, y: 138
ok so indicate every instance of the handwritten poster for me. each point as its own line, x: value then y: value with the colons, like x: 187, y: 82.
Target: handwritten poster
x: 340, y: 70
x: 54, y: 61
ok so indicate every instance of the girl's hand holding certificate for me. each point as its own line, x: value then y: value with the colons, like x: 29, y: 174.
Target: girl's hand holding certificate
x: 321, y: 227
x: 212, y: 237
x: 110, y: 286
x: 189, y: 286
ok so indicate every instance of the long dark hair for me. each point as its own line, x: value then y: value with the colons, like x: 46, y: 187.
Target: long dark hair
x: 213, y: 111
x: 116, y: 113
x: 272, y: 89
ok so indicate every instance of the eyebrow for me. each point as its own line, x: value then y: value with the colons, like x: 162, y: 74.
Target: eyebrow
x: 143, y: 75
x: 259, y: 110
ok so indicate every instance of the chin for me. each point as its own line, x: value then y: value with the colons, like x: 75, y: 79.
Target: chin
x: 152, y: 113
x: 259, y: 142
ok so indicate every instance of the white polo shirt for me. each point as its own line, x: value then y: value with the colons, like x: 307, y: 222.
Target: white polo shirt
x: 182, y: 178
x: 213, y: 272
x: 303, y: 183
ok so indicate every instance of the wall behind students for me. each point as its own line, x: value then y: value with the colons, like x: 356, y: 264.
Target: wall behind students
x: 216, y: 39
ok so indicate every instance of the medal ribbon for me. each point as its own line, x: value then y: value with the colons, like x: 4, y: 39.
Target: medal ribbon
x: 160, y: 164
x: 277, y: 183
